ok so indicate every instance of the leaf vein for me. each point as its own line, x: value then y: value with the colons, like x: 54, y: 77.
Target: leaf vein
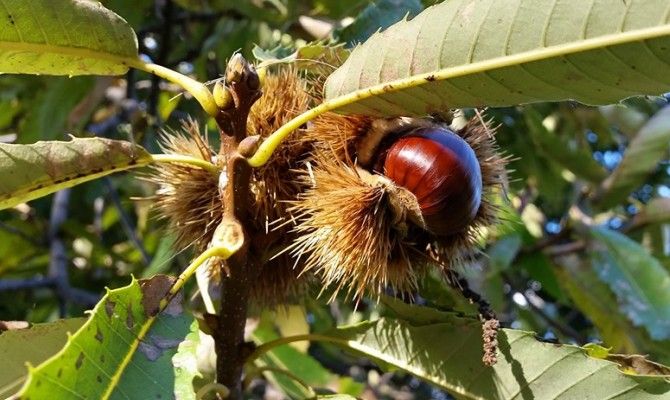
x: 586, y: 20
x: 543, y: 37
x: 511, y: 28
x: 582, y: 379
x: 542, y: 372
x: 443, y: 42
x: 475, y: 42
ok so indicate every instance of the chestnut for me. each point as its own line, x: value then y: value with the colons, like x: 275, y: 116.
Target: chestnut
x: 443, y: 173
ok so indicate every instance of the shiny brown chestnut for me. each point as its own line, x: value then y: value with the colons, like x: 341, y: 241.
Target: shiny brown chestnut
x: 442, y: 171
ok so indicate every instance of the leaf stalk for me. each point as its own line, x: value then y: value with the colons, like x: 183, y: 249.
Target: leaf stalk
x: 201, y: 93
x: 183, y: 159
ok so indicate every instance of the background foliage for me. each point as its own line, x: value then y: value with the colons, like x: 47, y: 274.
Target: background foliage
x: 584, y: 254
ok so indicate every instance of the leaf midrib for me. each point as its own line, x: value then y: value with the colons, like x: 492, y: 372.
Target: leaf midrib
x: 114, y: 381
x: 505, y: 61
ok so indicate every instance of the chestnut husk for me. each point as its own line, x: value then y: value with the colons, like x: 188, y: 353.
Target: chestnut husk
x: 322, y: 211
x: 362, y: 233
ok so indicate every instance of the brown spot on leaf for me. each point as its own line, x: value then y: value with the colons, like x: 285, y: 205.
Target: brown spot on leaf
x: 98, y: 335
x: 430, y: 78
x: 130, y: 320
x: 638, y: 364
x: 109, y: 308
x: 153, y: 291
x: 80, y: 361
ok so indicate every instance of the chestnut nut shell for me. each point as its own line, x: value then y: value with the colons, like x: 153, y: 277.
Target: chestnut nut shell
x: 442, y: 171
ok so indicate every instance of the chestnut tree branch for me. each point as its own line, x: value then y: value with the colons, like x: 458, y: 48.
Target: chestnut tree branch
x: 243, y: 84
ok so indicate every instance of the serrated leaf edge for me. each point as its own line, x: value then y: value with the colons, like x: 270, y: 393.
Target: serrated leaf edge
x: 114, y: 379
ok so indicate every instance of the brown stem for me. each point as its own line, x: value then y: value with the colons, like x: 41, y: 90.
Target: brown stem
x: 231, y: 350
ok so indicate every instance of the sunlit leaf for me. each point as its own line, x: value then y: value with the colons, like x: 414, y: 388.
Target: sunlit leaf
x: 186, y: 365
x: 639, y: 281
x: 32, y: 345
x: 122, y: 344
x: 467, y: 53
x: 291, y: 321
x: 445, y: 350
x: 594, y: 299
x: 35, y: 170
x: 288, y: 358
x: 64, y: 37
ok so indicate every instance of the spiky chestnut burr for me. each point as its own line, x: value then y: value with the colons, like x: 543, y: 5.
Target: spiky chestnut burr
x: 363, y: 231
x: 393, y: 198
x: 189, y: 198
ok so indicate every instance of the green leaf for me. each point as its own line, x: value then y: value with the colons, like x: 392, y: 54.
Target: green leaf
x: 32, y: 345
x: 35, y: 170
x: 594, y: 298
x: 47, y: 117
x: 186, y: 365
x: 445, y: 350
x: 638, y: 280
x: 577, y: 160
x: 540, y: 268
x: 503, y: 252
x: 642, y: 156
x: 377, y: 16
x: 289, y: 358
x: 473, y: 53
x: 64, y: 37
x: 124, y: 350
